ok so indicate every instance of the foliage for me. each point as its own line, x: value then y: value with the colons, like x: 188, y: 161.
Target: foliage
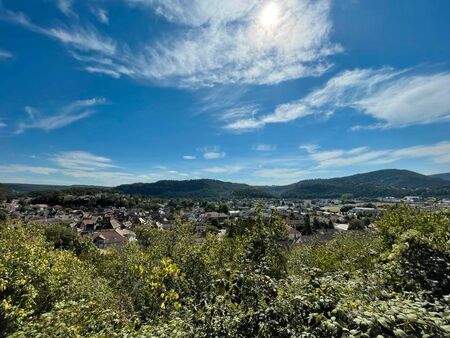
x: 393, y: 282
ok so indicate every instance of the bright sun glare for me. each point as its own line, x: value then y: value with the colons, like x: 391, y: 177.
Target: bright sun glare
x: 270, y: 15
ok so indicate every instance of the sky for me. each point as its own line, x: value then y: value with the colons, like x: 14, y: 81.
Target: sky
x: 107, y: 92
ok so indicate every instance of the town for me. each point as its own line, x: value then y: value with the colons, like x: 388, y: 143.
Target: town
x: 111, y: 219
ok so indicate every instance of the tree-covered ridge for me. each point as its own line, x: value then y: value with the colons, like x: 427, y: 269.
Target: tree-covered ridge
x: 392, y: 182
x: 202, y: 188
x: 443, y: 176
x: 394, y: 282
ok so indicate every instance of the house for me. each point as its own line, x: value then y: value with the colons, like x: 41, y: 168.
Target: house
x: 412, y: 199
x: 88, y: 224
x: 111, y: 223
x: 213, y: 215
x: 128, y: 234
x: 293, y: 234
x: 107, y: 238
x: 361, y: 210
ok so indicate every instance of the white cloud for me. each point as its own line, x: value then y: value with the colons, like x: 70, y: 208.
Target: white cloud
x: 66, y: 115
x: 264, y: 147
x: 338, y: 158
x: 212, y: 155
x: 2, y: 124
x: 101, y: 14
x: 189, y: 157
x: 85, y: 39
x: 65, y: 6
x: 309, y: 147
x: 17, y: 168
x: 82, y: 161
x: 224, y: 42
x: 4, y: 54
x: 227, y: 169
x: 245, y: 125
x: 221, y: 42
x: 239, y: 112
x: 394, y: 98
x: 211, y: 152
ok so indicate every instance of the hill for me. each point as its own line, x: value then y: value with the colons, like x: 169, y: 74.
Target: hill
x: 30, y: 188
x: 202, y: 188
x: 443, y: 176
x: 388, y: 182
x: 25, y: 188
x: 4, y: 191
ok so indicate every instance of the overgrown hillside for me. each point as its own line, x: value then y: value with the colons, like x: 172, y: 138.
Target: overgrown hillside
x: 395, y: 282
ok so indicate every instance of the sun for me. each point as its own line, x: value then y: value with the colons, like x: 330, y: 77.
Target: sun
x: 269, y: 16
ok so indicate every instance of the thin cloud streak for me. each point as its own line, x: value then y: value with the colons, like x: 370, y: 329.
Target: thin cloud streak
x: 4, y: 54
x: 67, y: 115
x: 338, y: 158
x: 395, y: 98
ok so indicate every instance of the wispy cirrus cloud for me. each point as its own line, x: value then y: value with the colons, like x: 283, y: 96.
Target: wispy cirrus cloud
x: 229, y: 42
x: 4, y: 54
x: 17, y: 168
x: 394, y: 98
x: 264, y: 147
x: 65, y: 6
x: 86, y: 39
x: 338, y: 158
x: 82, y: 160
x: 220, y: 43
x: 189, y: 157
x: 101, y: 14
x: 226, y: 169
x: 66, y: 115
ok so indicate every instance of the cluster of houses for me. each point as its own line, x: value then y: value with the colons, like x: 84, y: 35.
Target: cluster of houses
x: 114, y: 226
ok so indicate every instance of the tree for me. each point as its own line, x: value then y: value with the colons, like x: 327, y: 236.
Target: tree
x: 316, y: 223
x: 4, y: 216
x: 307, y: 230
x: 356, y: 224
x: 223, y: 207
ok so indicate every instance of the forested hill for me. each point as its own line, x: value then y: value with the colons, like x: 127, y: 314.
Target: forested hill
x: 202, y: 188
x: 443, y: 176
x: 389, y: 182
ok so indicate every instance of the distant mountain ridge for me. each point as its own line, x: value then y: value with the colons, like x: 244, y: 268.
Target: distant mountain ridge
x: 443, y: 176
x: 387, y: 182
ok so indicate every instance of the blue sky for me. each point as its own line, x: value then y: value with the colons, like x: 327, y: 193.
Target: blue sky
x: 263, y: 92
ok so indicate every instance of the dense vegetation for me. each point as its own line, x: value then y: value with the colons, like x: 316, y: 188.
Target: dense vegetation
x: 392, y: 182
x: 395, y: 282
x: 397, y: 183
x: 203, y: 188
